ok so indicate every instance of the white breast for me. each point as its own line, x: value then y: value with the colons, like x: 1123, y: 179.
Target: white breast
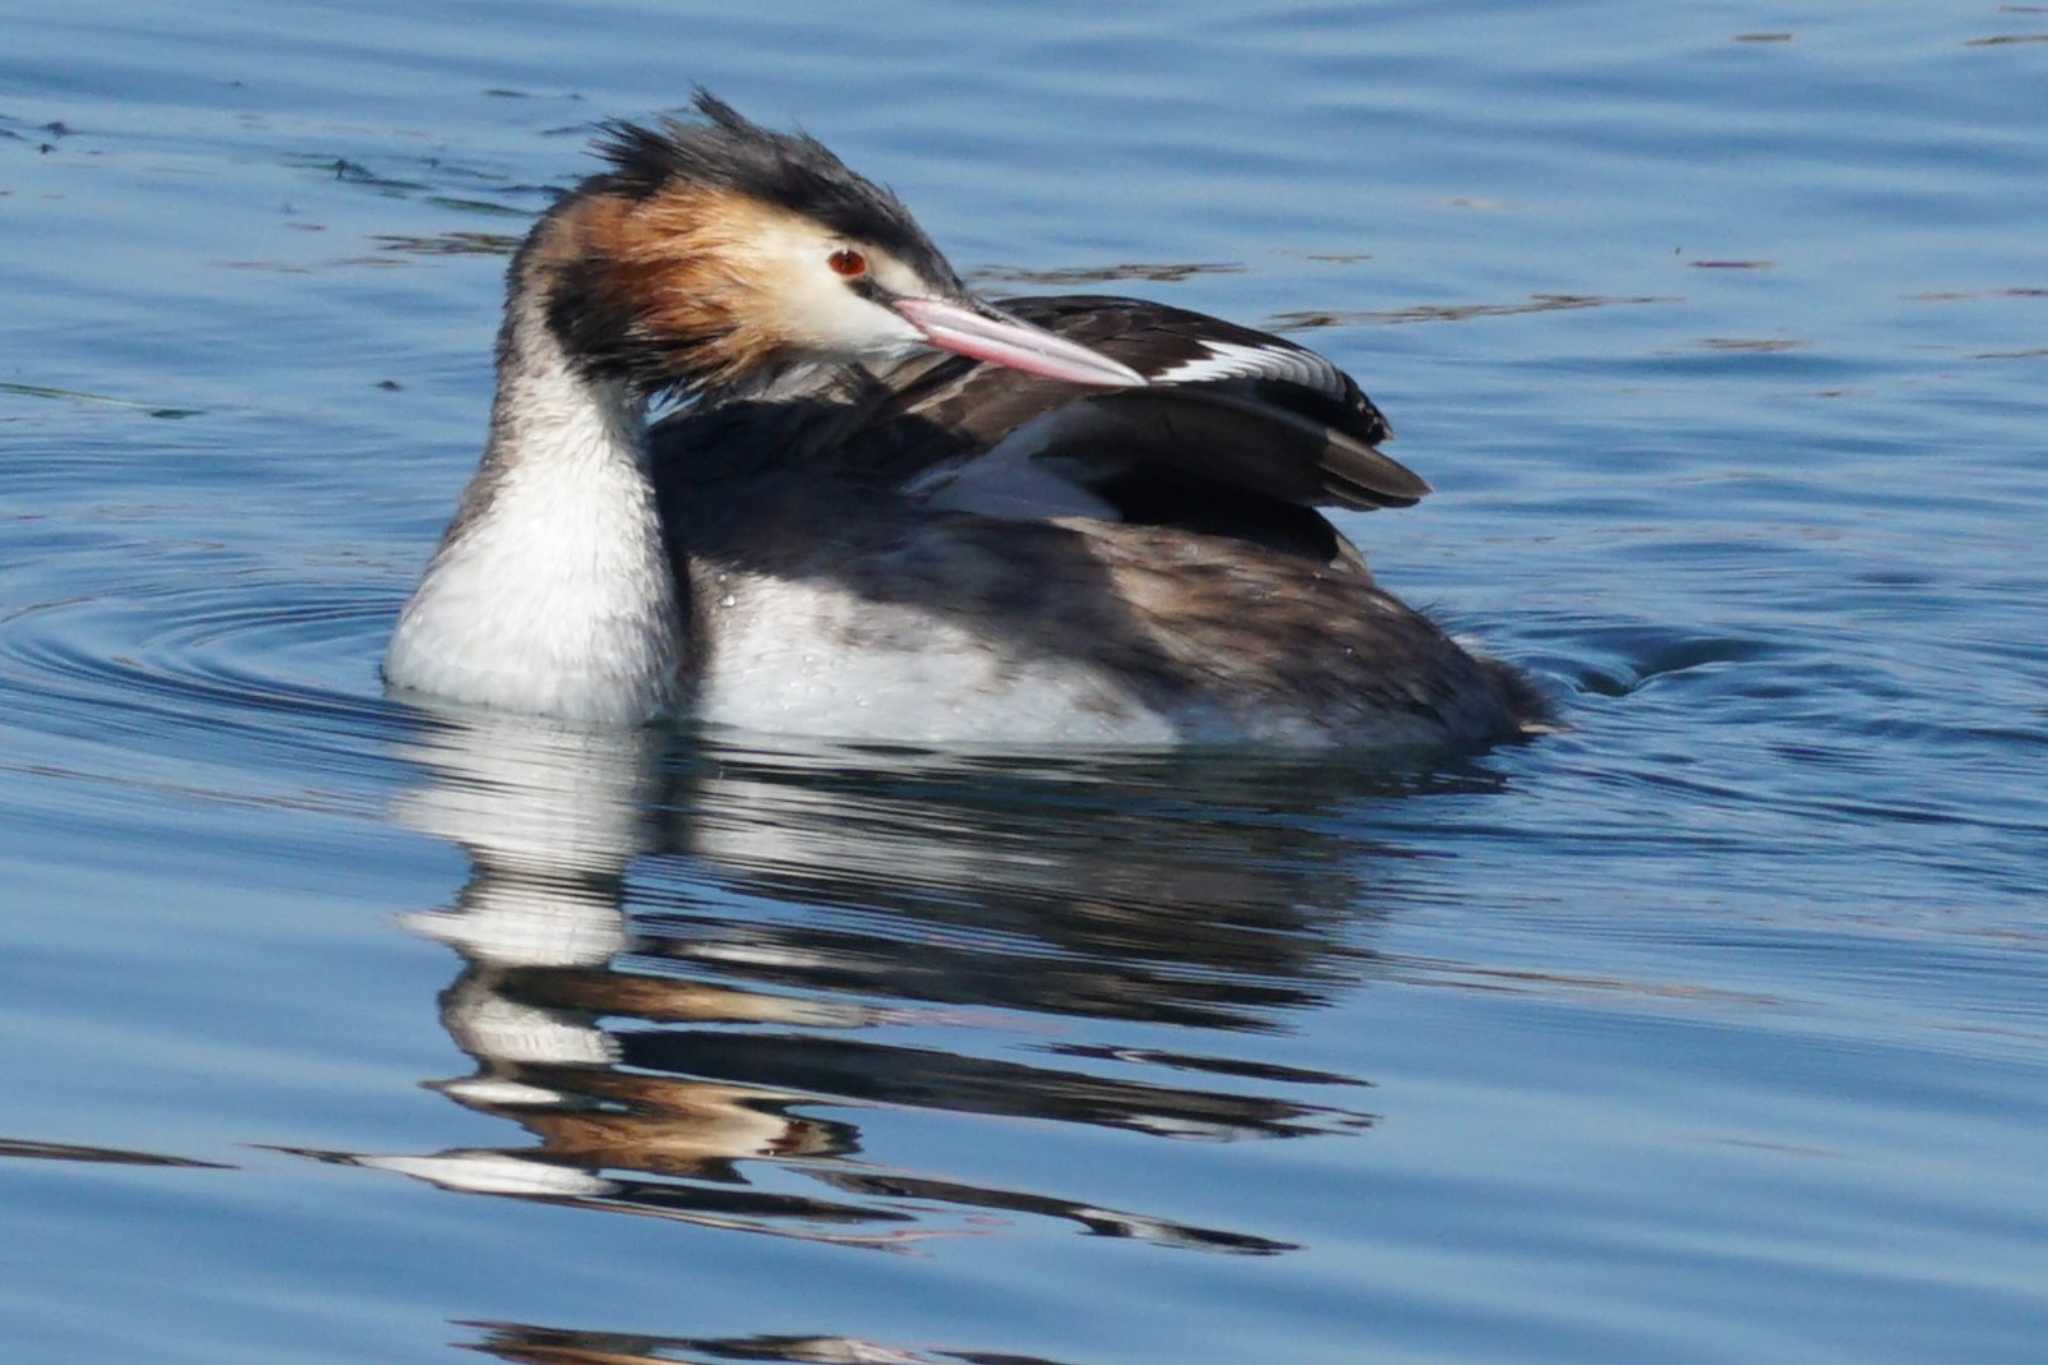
x: 556, y: 597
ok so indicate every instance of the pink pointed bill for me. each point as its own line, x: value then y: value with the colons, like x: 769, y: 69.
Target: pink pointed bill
x: 1009, y: 341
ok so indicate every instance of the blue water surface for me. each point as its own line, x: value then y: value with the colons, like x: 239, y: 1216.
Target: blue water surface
x: 1712, y: 1028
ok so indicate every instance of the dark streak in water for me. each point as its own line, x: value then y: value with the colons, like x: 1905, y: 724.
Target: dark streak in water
x: 1221, y: 1066
x: 1424, y: 971
x: 353, y: 173
x: 449, y: 244
x: 476, y: 206
x: 1538, y: 303
x: 28, y: 1150
x: 44, y: 391
x: 1152, y: 273
x: 1956, y: 295
x: 1757, y: 344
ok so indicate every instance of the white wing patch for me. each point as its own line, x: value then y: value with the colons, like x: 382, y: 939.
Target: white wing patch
x: 1008, y: 481
x: 1243, y: 360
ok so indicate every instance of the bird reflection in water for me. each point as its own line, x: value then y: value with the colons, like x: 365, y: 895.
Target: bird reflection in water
x: 529, y: 1345
x: 827, y: 934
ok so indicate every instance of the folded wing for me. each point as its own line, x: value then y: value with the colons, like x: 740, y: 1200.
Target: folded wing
x: 1240, y: 432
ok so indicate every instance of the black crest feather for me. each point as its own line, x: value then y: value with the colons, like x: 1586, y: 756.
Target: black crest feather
x: 793, y: 171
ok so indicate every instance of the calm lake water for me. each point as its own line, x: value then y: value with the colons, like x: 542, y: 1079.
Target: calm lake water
x: 1713, y: 1029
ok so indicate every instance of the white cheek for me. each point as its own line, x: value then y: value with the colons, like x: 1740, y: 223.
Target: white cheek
x: 893, y: 338
x: 856, y: 326
x: 814, y: 307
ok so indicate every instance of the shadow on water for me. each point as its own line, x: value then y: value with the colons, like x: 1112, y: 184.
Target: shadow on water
x: 705, y: 981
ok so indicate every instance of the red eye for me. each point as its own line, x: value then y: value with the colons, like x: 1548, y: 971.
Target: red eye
x: 848, y: 263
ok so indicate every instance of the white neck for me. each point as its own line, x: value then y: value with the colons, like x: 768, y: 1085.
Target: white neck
x: 552, y: 592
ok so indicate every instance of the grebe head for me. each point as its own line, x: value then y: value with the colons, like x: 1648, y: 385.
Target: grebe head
x: 719, y: 254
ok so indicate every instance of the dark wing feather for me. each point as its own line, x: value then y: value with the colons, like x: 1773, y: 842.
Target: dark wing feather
x: 1233, y: 407
x: 1242, y: 432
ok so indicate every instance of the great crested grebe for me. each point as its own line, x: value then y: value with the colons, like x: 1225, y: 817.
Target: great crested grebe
x: 1093, y: 522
